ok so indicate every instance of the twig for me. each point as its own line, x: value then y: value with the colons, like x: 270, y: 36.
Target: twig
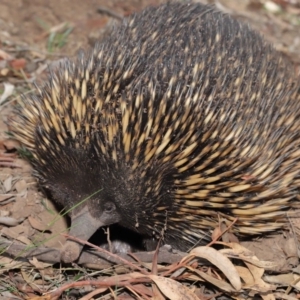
x: 120, y: 280
x: 109, y: 12
x: 123, y: 260
x: 216, y: 238
x: 9, y: 164
x: 107, y: 232
x: 94, y: 260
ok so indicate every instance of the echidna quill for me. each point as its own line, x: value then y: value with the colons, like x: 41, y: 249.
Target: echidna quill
x: 180, y: 116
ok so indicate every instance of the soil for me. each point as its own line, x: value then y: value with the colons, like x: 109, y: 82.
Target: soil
x: 35, y: 33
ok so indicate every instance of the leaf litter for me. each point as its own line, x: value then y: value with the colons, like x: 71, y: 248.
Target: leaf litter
x: 264, y: 268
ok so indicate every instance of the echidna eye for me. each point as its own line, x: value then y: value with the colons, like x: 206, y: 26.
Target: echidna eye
x: 109, y: 207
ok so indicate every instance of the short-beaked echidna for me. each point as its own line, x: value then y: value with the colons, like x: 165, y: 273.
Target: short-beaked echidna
x: 180, y: 116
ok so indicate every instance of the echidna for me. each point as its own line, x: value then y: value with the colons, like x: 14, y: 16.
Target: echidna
x: 180, y: 116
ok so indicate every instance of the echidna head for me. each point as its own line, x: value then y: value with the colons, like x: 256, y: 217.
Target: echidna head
x: 99, y: 193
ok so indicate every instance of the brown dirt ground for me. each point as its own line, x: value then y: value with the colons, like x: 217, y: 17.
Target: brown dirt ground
x: 29, y: 33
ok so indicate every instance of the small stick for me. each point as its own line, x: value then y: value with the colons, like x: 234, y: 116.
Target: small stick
x: 109, y: 12
x: 123, y: 260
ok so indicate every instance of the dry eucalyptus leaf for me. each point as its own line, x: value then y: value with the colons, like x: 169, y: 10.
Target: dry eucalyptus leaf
x: 8, y: 221
x: 8, y: 91
x: 4, y: 213
x: 172, y: 289
x: 4, y: 72
x: 246, y: 275
x: 6, y: 197
x: 4, y: 55
x: 240, y: 252
x: 23, y: 194
x: 20, y: 185
x: 221, y: 284
x: 257, y: 271
x: 7, y: 184
x: 29, y: 278
x: 220, y: 261
x: 282, y: 279
x: 9, y: 232
x: 23, y: 239
x: 9, y: 265
x: 216, y: 233
x: 38, y: 264
x: 268, y: 296
x: 10, y: 144
x: 272, y: 7
x: 37, y: 224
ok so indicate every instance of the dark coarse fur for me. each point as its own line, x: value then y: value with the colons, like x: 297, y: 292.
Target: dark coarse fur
x: 183, y: 115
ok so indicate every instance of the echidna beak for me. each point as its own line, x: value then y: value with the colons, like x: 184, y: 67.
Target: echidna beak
x: 83, y: 226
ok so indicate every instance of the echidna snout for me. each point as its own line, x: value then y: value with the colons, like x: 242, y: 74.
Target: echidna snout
x: 180, y: 118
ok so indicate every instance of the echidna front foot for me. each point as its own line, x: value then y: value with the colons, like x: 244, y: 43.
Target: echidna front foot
x: 70, y: 252
x: 83, y: 226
